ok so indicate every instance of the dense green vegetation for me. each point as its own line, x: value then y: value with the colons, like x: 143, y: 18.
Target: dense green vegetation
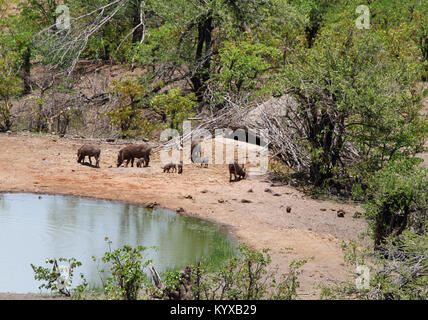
x: 244, y: 277
x: 357, y: 89
x: 356, y: 125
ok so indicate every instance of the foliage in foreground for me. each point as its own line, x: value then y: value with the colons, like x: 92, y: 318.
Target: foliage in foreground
x: 397, y: 200
x: 397, y: 272
x: 58, y: 279
x: 243, y: 277
x: 127, y: 272
x: 397, y: 208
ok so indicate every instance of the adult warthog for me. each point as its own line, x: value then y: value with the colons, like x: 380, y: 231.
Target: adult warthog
x: 133, y: 151
x: 90, y: 151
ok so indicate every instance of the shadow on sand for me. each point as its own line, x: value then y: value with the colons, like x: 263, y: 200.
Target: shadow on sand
x: 89, y: 165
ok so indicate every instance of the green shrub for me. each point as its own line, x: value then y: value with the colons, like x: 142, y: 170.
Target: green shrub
x: 245, y: 277
x: 398, y: 200
x: 397, y: 272
x: 127, y: 272
x: 396, y: 206
x: 58, y: 278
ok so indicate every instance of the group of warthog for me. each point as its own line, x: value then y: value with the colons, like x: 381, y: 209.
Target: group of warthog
x: 142, y: 153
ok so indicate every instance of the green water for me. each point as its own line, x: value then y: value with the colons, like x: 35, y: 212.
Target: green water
x: 33, y: 228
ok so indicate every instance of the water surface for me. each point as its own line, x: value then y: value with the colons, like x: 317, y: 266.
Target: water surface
x: 36, y: 227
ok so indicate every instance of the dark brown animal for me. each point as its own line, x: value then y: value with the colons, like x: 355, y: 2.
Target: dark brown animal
x: 131, y: 152
x: 174, y: 167
x: 237, y: 170
x: 90, y: 151
x: 170, y: 166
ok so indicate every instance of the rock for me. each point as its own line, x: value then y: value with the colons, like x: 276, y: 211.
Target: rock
x: 189, y: 196
x: 110, y: 140
x: 276, y: 194
x: 151, y: 205
x: 323, y: 209
x: 288, y: 209
x: 246, y: 201
x: 220, y: 201
x: 250, y: 191
x: 268, y: 190
x: 180, y: 210
x: 204, y: 191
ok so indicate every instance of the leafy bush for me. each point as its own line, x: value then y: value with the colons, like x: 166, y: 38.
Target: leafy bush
x: 396, y: 207
x: 59, y: 278
x: 174, y: 107
x: 9, y: 87
x: 245, y: 277
x: 127, y: 115
x: 397, y: 200
x: 127, y: 272
x: 397, y: 272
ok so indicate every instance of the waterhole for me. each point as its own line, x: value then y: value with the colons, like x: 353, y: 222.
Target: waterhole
x: 36, y: 227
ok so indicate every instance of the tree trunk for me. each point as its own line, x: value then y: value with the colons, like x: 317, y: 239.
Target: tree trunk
x: 202, y: 57
x: 26, y: 70
x: 138, y: 33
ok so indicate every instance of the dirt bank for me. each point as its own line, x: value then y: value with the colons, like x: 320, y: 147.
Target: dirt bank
x: 311, y: 229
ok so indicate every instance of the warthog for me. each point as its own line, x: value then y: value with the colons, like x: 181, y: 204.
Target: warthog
x: 237, y: 170
x: 90, y: 151
x: 170, y: 166
x: 131, y: 152
x: 203, y: 162
x: 173, y: 166
x: 180, y: 167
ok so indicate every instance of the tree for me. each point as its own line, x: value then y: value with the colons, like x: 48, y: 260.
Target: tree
x: 242, y: 63
x: 356, y: 108
x: 315, y: 12
x: 127, y: 115
x: 178, y: 39
x: 9, y: 87
x: 174, y: 107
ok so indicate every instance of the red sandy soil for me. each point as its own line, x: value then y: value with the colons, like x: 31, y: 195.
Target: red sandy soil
x: 312, y: 229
